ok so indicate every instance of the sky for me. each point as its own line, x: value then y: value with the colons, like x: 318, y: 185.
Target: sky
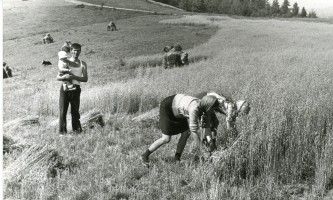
x: 310, y: 4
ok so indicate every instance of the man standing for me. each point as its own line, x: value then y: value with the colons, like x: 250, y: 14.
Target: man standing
x: 78, y: 74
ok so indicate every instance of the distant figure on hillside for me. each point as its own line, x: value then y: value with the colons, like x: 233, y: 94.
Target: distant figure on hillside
x: 167, y: 48
x: 78, y: 73
x: 7, y: 71
x: 230, y: 109
x: 111, y: 26
x: 46, y: 63
x: 4, y: 74
x: 174, y: 57
x: 181, y: 114
x: 47, y: 39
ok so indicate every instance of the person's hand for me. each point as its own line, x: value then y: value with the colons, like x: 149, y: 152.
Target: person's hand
x: 229, y: 128
x: 67, y: 76
x: 206, y: 155
x: 229, y: 119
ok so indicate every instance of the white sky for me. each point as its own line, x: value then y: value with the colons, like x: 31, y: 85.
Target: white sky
x: 310, y: 4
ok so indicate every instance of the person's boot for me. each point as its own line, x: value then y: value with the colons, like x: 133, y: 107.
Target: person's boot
x: 177, y: 157
x: 145, y: 157
x: 214, y: 147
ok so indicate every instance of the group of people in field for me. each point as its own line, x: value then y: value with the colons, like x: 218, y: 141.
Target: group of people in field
x: 174, y: 56
x: 185, y: 115
x: 178, y: 114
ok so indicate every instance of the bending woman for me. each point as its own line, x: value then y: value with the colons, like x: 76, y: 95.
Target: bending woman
x: 180, y: 114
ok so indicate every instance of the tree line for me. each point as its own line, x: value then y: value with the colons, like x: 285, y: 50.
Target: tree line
x: 252, y: 8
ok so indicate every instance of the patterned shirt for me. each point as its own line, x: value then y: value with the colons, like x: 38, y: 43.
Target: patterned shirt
x: 184, y: 106
x: 227, y: 105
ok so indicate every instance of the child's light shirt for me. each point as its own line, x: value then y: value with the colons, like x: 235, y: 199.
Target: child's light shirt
x: 62, y: 65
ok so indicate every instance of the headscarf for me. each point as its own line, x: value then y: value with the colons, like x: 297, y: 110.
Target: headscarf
x: 177, y: 47
x: 243, y: 106
x: 207, y: 102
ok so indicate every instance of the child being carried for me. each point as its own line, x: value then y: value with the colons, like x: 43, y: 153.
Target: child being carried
x: 63, y: 65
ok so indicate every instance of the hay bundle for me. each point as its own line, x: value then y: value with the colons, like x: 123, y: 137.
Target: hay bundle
x: 91, y: 119
x: 35, y: 159
x: 231, y: 163
x: 225, y: 154
x: 24, y: 121
x: 148, y: 118
x: 10, y: 144
x: 7, y: 143
x: 54, y: 123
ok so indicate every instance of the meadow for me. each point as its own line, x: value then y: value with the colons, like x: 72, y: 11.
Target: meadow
x: 283, y: 68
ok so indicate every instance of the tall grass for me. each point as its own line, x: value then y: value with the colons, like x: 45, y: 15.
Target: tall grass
x: 286, y: 79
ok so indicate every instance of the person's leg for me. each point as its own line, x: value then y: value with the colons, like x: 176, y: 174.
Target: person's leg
x: 5, y: 75
x: 9, y: 72
x: 153, y: 147
x: 181, y: 144
x: 63, y: 107
x: 215, y: 124
x: 75, y: 107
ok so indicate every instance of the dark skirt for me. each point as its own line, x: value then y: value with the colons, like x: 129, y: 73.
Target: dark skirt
x: 169, y: 124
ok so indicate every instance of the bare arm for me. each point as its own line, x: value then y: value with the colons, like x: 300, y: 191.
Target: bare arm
x: 193, y: 122
x: 231, y: 126
x: 63, y: 70
x: 65, y: 77
x: 164, y: 61
x: 231, y: 120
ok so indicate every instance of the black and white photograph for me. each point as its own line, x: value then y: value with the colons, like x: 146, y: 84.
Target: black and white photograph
x: 167, y: 99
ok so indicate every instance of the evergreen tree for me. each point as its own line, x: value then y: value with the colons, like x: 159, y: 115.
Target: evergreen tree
x: 236, y: 7
x: 295, y: 9
x: 195, y: 6
x: 202, y: 6
x: 312, y: 14
x: 275, y: 9
x: 212, y: 6
x: 257, y: 7
x: 264, y: 8
x: 268, y: 8
x: 185, y: 5
x: 174, y: 3
x: 198, y: 6
x: 285, y: 7
x: 303, y: 12
x: 225, y: 7
x: 245, y: 8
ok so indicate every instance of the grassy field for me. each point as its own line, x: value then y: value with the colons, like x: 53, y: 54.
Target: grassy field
x: 284, y: 68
